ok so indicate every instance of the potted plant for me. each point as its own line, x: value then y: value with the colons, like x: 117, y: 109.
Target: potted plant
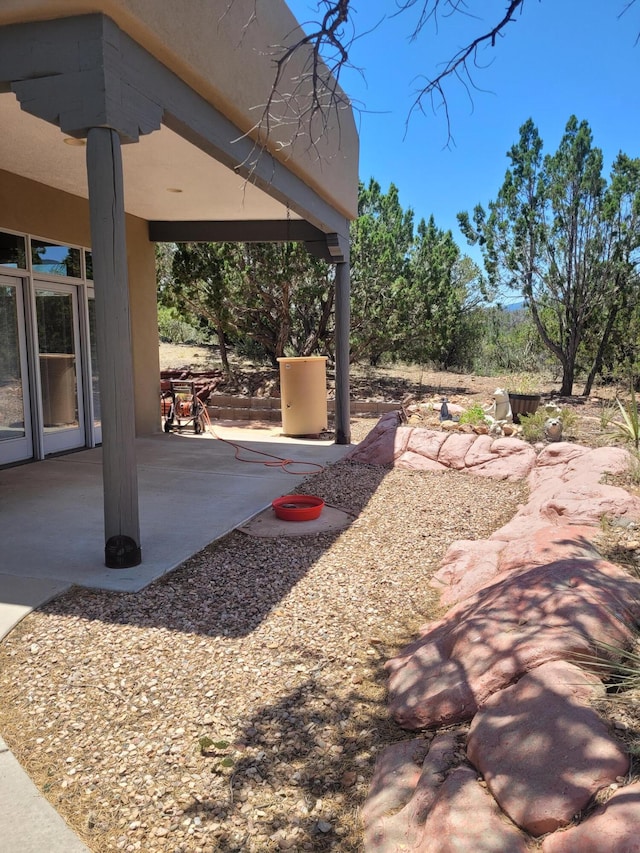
x: 523, y: 399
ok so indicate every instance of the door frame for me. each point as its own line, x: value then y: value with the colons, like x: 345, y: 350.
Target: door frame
x: 17, y: 449
x: 88, y: 432
x: 93, y: 425
x: 70, y: 437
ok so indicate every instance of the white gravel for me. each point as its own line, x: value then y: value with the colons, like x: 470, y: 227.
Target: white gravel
x: 238, y: 704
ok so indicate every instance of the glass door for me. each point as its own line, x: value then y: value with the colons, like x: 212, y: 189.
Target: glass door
x: 15, y: 419
x: 58, y: 338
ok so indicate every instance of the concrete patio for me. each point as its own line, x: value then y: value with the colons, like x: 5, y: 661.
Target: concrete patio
x: 193, y: 490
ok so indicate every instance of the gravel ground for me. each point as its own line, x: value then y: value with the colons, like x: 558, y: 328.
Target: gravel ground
x: 239, y: 703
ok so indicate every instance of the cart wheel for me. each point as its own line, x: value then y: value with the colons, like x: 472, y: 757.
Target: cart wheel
x: 167, y: 426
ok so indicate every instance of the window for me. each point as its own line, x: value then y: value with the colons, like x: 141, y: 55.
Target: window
x: 12, y: 251
x: 52, y: 259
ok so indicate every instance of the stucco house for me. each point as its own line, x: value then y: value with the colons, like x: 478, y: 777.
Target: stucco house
x: 124, y: 123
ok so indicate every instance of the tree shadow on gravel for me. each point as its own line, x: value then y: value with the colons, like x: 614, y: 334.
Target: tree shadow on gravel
x: 299, y: 773
x: 229, y: 587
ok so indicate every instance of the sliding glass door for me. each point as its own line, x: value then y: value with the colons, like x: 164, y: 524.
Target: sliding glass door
x: 49, y: 392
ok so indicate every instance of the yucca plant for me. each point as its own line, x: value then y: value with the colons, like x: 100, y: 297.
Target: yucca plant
x: 618, y: 668
x: 628, y: 429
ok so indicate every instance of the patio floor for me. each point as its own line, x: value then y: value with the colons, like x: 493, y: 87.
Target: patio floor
x: 192, y: 490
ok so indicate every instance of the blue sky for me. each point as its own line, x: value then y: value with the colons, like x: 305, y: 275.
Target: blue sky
x: 560, y: 57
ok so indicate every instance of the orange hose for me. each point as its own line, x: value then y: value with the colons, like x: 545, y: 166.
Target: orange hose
x: 279, y: 461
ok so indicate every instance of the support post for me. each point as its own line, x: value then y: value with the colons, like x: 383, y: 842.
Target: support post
x: 115, y: 360
x: 343, y: 322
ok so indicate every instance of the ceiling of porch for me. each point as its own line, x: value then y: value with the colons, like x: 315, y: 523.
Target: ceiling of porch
x: 165, y: 177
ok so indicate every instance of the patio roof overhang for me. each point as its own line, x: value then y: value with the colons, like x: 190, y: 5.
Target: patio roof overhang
x: 166, y: 144
x: 191, y: 163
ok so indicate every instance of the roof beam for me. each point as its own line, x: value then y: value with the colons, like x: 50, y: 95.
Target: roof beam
x: 332, y: 248
x: 234, y: 231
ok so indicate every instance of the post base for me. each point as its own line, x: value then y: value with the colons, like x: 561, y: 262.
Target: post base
x: 121, y: 552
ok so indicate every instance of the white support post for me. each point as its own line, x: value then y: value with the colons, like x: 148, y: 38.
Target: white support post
x: 115, y: 360
x: 343, y: 322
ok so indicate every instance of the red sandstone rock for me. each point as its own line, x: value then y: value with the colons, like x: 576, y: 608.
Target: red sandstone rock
x: 470, y: 565
x: 512, y: 459
x: 598, y: 461
x: 467, y: 566
x: 542, y: 749
x: 416, y: 462
x: 389, y: 443
x: 559, y: 453
x: 548, y: 545
x: 581, y: 502
x: 480, y: 451
x: 436, y: 815
x: 405, y: 775
x: 565, y: 460
x: 427, y: 443
x: 552, y: 598
x: 396, y: 774
x: 386, y: 441
x: 466, y: 818
x: 484, y: 643
x: 421, y: 449
x: 574, y: 502
x: 612, y: 828
x: 455, y: 448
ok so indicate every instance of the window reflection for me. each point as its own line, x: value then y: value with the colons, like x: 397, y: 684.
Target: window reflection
x: 51, y: 259
x: 12, y: 251
x: 11, y: 402
x: 56, y: 343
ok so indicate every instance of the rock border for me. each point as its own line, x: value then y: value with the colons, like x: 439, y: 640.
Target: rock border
x: 528, y: 606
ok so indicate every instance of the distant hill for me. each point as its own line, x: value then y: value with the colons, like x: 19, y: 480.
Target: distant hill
x: 518, y: 305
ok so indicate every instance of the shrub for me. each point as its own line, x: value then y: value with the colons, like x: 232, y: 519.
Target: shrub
x: 533, y: 425
x: 474, y: 415
x: 174, y: 329
x: 628, y: 429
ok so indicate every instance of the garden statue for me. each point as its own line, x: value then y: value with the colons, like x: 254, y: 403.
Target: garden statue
x: 500, y: 409
x: 444, y: 411
x: 553, y: 429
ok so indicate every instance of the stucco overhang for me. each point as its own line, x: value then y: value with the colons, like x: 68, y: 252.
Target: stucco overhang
x: 224, y: 59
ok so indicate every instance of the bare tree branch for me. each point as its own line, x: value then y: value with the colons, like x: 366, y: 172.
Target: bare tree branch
x: 308, y: 100
x: 315, y: 96
x: 431, y: 11
x: 327, y: 44
x: 627, y: 6
x: 463, y: 63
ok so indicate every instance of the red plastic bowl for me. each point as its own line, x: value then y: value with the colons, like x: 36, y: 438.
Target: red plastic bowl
x: 298, y: 507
